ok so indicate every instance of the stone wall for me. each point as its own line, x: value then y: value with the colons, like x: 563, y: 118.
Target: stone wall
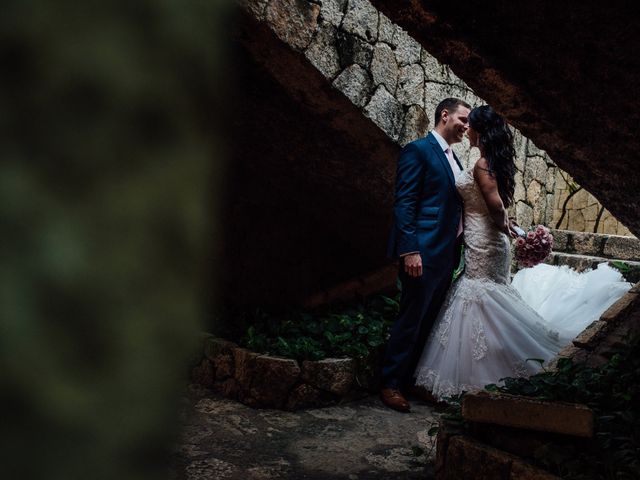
x: 395, y: 82
x: 582, y: 210
x: 265, y: 381
x: 327, y: 94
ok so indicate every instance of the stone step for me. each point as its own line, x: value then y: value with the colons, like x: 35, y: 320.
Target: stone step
x: 597, y: 245
x: 630, y: 269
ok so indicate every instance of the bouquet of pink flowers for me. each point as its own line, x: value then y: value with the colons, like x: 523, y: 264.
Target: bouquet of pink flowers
x: 534, y: 247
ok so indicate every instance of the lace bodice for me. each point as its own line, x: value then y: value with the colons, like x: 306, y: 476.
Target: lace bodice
x: 487, y: 250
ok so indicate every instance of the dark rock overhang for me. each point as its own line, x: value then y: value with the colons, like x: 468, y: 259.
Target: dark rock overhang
x: 564, y: 73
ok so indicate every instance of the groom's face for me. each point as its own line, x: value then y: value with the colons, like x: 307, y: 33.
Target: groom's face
x: 456, y: 124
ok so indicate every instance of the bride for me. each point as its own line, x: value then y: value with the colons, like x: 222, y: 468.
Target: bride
x: 485, y: 330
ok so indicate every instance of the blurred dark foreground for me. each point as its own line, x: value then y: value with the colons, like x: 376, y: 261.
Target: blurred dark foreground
x: 109, y: 171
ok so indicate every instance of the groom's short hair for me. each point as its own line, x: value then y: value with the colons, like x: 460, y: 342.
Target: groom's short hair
x: 450, y: 105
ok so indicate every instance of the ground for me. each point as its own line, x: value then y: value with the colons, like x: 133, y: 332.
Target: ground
x: 360, y: 440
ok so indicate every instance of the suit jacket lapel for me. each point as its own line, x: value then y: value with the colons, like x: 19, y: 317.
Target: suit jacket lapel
x: 443, y: 159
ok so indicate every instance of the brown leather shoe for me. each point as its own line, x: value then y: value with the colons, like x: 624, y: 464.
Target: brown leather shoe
x: 393, y: 398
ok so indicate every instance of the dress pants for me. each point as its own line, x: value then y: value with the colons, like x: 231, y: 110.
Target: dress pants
x: 420, y: 302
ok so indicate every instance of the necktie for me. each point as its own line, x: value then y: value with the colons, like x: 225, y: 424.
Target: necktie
x: 456, y: 171
x: 454, y: 166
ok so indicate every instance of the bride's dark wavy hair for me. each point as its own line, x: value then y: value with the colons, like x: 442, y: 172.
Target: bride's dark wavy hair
x: 496, y: 140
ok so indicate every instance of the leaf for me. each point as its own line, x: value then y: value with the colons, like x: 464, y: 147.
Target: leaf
x: 417, y: 451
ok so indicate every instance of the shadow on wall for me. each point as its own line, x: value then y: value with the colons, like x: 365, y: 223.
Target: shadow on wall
x: 108, y: 178
x: 577, y: 210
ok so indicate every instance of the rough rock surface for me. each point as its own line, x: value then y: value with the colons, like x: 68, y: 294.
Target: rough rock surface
x: 335, y: 375
x: 326, y: 93
x: 552, y: 73
x: 226, y: 440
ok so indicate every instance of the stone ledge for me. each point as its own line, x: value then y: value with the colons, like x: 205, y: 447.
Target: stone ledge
x: 581, y: 262
x: 621, y: 306
x: 623, y: 248
x: 273, y: 382
x: 469, y: 458
x: 597, y: 245
x: 591, y: 335
x: 528, y: 413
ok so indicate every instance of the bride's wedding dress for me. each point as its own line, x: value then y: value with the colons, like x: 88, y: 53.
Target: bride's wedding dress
x: 488, y: 327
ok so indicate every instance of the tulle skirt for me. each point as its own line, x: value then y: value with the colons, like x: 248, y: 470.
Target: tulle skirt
x: 569, y: 301
x: 486, y: 331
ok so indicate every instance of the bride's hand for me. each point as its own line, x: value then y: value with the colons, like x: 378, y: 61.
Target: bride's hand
x: 506, y: 229
x: 514, y: 229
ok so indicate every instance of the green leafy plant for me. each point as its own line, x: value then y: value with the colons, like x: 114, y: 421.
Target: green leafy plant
x: 612, y: 391
x: 354, y: 329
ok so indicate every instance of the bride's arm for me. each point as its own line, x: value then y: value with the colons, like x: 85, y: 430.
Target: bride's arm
x: 489, y: 188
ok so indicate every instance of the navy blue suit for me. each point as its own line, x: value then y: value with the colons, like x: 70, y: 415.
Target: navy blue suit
x: 427, y: 212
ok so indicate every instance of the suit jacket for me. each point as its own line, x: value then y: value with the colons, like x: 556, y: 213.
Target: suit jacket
x: 427, y: 206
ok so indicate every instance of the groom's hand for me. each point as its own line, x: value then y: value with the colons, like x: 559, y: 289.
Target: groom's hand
x: 413, y: 265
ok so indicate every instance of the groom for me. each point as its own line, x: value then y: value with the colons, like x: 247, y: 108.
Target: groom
x: 426, y: 239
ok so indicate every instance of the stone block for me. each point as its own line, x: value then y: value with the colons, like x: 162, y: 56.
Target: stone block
x: 384, y: 68
x: 524, y: 215
x: 561, y: 184
x: 519, y: 193
x: 407, y: 49
x: 214, y: 347
x: 304, y: 396
x: 386, y: 112
x: 548, y: 210
x: 579, y: 263
x: 587, y: 243
x: 293, y: 21
x: 550, y: 181
x: 433, y: 70
x: 590, y: 336
x: 224, y: 366
x: 520, y: 146
x: 532, y: 150
x: 355, y: 83
x: 352, y: 49
x: 535, y: 169
x: 361, y: 19
x: 621, y: 307
x: 521, y: 470
x: 416, y: 124
x: 468, y: 458
x: 230, y: 388
x: 575, y: 220
x: 386, y: 29
x: 273, y: 379
x: 534, y: 192
x: 332, y: 11
x: 255, y: 7
x: 528, y: 413
x: 204, y: 373
x: 623, y: 248
x: 335, y: 375
x: 220, y: 353
x: 609, y: 223
x: 570, y: 351
x: 433, y: 94
x: 446, y: 431
x: 410, y: 89
x: 244, y: 367
x: 560, y: 239
x: 323, y: 52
